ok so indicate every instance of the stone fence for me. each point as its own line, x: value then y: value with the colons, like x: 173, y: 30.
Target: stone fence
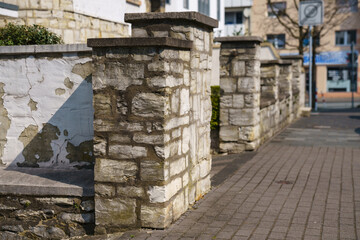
x: 139, y: 109
x: 152, y: 120
x: 258, y: 98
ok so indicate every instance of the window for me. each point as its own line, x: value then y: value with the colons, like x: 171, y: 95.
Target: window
x: 167, y: 1
x: 233, y: 17
x: 186, y: 4
x: 345, y: 38
x: 339, y: 79
x: 278, y: 40
x: 277, y: 8
x: 204, y: 6
x: 347, y: 5
x: 218, y: 10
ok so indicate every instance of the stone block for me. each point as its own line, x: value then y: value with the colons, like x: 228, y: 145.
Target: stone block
x: 153, y: 171
x: 155, y: 216
x: 249, y: 133
x: 238, y: 68
x: 99, y: 146
x: 226, y: 101
x: 232, y: 147
x: 161, y: 194
x: 238, y: 101
x: 104, y: 190
x: 139, y: 32
x: 248, y: 85
x: 148, y: 139
x: 115, y: 211
x: 186, y: 135
x: 229, y: 133
x: 148, y: 105
x: 159, y: 66
x: 184, y: 101
x: 228, y: 85
x: 177, y: 166
x: 179, y: 206
x: 243, y: 117
x: 118, y: 151
x: 107, y: 170
x: 130, y: 191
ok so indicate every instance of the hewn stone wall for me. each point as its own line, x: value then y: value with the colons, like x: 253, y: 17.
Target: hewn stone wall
x: 46, y: 112
x: 39, y: 217
x: 152, y: 120
x: 256, y: 100
x: 240, y: 93
x: 59, y: 16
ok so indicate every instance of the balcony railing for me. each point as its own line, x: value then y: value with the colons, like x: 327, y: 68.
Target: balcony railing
x: 238, y: 3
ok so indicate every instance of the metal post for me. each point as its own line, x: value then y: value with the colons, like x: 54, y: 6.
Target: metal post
x: 352, y: 72
x: 310, y: 67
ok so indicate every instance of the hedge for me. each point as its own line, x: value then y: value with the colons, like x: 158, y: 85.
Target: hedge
x: 27, y: 35
x: 215, y: 101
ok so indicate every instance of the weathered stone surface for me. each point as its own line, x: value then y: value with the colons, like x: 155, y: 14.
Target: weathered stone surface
x: 249, y: 133
x: 232, y: 147
x: 87, y: 206
x: 105, y: 190
x: 131, y: 191
x: 228, y: 85
x: 238, y: 68
x: 115, y: 211
x: 243, y: 117
x: 229, y: 133
x: 78, y: 218
x: 148, y: 105
x: 115, y: 171
x: 148, y: 139
x: 48, y: 232
x: 126, y: 151
x: 153, y: 171
x: 160, y: 194
x: 155, y: 217
x: 179, y: 206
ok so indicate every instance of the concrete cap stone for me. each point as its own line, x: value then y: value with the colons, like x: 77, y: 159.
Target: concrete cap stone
x: 164, y: 17
x: 238, y: 39
x: 140, y: 42
x: 37, y: 49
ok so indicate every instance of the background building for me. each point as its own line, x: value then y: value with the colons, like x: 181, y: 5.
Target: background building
x: 78, y: 20
x: 333, y: 76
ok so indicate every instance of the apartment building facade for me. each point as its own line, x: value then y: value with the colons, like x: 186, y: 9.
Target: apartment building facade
x: 78, y: 20
x: 333, y: 77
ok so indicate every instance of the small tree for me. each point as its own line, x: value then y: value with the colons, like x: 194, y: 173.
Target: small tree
x: 332, y: 18
x: 27, y: 35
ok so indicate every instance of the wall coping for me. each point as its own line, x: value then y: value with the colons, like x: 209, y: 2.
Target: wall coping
x: 140, y: 42
x: 242, y: 39
x: 163, y: 17
x: 276, y: 62
x: 36, y: 49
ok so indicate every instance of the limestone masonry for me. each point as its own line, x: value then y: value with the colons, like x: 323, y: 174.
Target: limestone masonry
x: 152, y: 120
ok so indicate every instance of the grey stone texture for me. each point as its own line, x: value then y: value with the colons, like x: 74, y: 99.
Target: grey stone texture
x: 152, y: 120
x: 240, y: 93
x: 257, y: 99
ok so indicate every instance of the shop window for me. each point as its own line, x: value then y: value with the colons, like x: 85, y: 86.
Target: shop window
x: 339, y: 79
x: 278, y: 40
x: 277, y: 8
x: 345, y: 38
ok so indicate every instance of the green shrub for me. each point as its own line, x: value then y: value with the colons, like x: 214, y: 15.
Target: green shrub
x: 27, y: 35
x: 215, y: 101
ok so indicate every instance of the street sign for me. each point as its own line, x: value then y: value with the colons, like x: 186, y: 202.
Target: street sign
x: 311, y: 13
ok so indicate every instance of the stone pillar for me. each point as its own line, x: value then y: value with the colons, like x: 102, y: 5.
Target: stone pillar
x: 285, y: 92
x: 151, y: 102
x: 240, y: 93
x: 197, y: 28
x: 270, y: 72
x: 296, y: 87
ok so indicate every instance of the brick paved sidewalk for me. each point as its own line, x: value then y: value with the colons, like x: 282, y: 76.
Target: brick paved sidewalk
x: 289, y: 190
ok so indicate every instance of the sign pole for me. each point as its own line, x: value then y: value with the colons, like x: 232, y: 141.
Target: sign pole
x: 352, y: 71
x: 310, y: 67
